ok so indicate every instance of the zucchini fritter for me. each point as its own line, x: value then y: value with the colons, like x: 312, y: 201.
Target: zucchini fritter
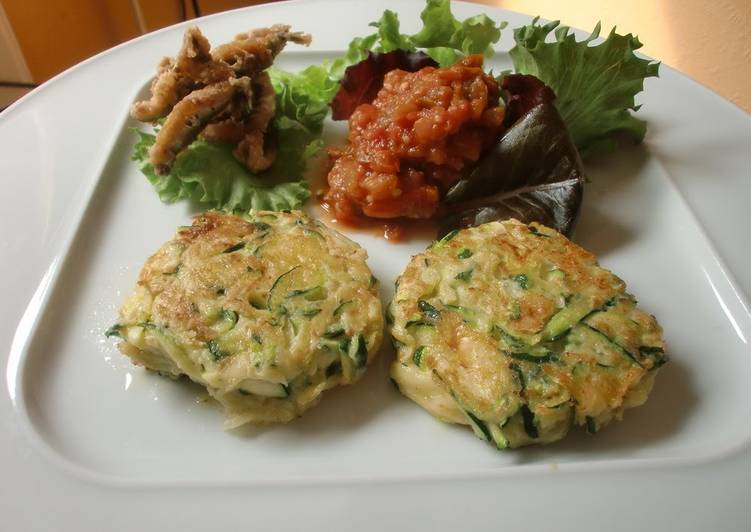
x: 266, y: 312
x: 516, y: 331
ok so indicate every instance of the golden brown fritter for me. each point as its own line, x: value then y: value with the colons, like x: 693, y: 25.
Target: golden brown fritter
x: 267, y: 312
x: 518, y: 332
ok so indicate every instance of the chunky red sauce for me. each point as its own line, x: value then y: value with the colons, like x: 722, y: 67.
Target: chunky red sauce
x: 414, y: 141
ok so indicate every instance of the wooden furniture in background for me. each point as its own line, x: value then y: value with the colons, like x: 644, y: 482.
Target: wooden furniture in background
x: 708, y: 40
x: 56, y: 35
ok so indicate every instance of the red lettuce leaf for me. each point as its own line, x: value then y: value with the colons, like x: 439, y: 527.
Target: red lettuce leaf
x: 534, y: 173
x: 363, y: 80
x: 523, y: 93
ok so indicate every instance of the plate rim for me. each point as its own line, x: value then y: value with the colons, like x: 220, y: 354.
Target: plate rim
x: 56, y: 266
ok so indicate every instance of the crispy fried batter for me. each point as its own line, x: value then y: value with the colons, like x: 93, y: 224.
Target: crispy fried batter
x: 229, y: 130
x: 166, y: 90
x: 189, y: 117
x: 255, y: 147
x: 176, y: 78
x: 255, y: 151
x: 255, y: 51
x: 196, y: 62
x: 223, y: 94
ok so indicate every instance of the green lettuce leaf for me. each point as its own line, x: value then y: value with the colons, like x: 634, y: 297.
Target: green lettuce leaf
x: 388, y: 34
x: 443, y: 36
x: 443, y: 55
x: 356, y: 51
x: 478, y: 34
x: 438, y: 25
x: 304, y: 96
x: 447, y: 39
x: 595, y: 84
x: 208, y: 173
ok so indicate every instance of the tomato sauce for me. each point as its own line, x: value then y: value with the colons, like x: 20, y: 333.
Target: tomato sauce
x: 416, y: 139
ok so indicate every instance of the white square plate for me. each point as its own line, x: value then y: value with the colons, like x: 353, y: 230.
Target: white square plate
x: 105, y: 426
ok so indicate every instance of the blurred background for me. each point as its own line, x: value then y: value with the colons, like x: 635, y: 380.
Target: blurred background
x: 709, y: 41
